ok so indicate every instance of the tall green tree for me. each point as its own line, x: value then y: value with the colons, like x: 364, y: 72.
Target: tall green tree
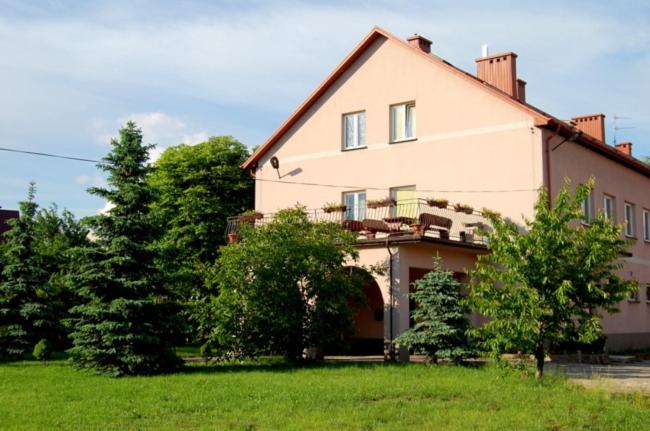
x: 549, y: 282
x: 283, y: 287
x: 25, y: 315
x: 196, y: 188
x: 126, y: 323
x: 56, y: 234
x: 439, y: 316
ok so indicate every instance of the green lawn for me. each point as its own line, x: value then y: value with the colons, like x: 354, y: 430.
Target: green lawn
x: 330, y: 396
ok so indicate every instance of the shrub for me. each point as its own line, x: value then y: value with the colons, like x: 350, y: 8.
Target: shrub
x: 42, y: 351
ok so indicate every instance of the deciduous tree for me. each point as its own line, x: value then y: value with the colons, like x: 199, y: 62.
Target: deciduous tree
x: 284, y: 288
x: 196, y: 188
x: 551, y: 281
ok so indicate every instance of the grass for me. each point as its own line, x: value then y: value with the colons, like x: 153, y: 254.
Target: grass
x: 329, y: 396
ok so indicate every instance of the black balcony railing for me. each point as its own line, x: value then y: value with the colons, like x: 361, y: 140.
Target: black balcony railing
x: 414, y: 217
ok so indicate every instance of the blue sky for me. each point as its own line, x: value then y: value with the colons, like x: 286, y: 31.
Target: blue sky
x: 72, y: 72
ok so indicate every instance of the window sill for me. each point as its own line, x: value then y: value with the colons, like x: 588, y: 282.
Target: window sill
x: 631, y: 237
x: 399, y: 141
x: 633, y: 301
x: 354, y: 148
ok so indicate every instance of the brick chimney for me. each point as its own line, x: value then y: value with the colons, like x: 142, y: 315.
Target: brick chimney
x: 500, y: 71
x: 420, y: 42
x: 592, y: 125
x: 521, y: 90
x: 625, y: 148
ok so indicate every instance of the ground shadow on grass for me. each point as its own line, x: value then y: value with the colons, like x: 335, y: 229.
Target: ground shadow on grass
x: 276, y: 365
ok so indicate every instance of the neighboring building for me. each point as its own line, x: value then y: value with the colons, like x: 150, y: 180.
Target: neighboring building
x: 394, y: 120
x: 5, y: 216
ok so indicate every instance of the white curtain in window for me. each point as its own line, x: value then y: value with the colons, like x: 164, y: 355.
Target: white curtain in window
x: 410, y: 121
x: 349, y: 131
x: 361, y: 129
x: 398, y: 122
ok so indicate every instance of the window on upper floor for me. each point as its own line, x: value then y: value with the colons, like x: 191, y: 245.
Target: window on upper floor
x: 355, y: 203
x: 647, y: 293
x: 354, y: 130
x: 646, y: 225
x: 588, y: 209
x: 609, y: 208
x: 402, y: 122
x: 630, y: 223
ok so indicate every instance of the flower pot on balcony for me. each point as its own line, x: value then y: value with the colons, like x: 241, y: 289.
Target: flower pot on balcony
x: 417, y: 228
x: 249, y: 217
x: 461, y: 208
x: 380, y: 203
x: 233, y: 237
x: 438, y: 203
x: 334, y: 208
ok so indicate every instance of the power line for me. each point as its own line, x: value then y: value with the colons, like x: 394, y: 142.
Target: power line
x: 342, y: 186
x: 300, y: 183
x: 35, y: 153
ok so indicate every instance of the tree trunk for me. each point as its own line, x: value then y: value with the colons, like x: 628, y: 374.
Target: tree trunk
x: 539, y: 361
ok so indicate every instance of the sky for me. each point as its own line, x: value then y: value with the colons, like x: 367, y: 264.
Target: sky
x: 73, y: 72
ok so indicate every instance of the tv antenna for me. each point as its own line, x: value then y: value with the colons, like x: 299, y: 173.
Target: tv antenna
x: 617, y: 127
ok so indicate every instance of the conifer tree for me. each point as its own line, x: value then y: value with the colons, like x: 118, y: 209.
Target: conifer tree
x: 440, y: 322
x: 24, y: 314
x: 126, y: 323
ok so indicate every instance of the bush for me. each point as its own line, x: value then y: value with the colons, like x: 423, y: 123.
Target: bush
x: 42, y: 351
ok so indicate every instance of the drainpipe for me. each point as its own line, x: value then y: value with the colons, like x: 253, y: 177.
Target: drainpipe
x: 391, y: 346
x: 548, y: 163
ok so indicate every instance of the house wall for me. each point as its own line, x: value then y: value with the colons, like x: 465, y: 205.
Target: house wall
x: 419, y: 255
x: 630, y: 328
x: 467, y: 140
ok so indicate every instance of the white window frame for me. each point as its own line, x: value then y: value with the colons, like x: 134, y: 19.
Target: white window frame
x: 410, y: 122
x: 358, y: 137
x: 630, y: 222
x: 646, y: 225
x: 356, y: 211
x: 610, y: 213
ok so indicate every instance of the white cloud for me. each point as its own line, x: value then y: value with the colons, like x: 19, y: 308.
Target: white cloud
x: 106, y: 208
x: 164, y: 131
x: 91, y: 181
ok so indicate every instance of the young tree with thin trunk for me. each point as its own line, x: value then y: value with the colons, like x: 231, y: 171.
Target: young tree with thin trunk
x: 439, y: 316
x: 551, y: 281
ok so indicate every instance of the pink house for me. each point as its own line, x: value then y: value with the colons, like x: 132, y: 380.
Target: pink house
x: 394, y: 122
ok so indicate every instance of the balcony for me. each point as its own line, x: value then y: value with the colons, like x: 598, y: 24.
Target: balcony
x: 418, y: 218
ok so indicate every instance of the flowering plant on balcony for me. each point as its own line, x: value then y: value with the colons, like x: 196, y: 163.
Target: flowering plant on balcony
x: 463, y: 208
x: 437, y: 202
x: 379, y: 203
x: 250, y: 216
x: 333, y: 207
x: 490, y: 213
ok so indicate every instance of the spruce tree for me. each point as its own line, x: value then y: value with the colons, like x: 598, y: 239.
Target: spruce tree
x: 440, y: 322
x: 24, y: 314
x: 125, y: 326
